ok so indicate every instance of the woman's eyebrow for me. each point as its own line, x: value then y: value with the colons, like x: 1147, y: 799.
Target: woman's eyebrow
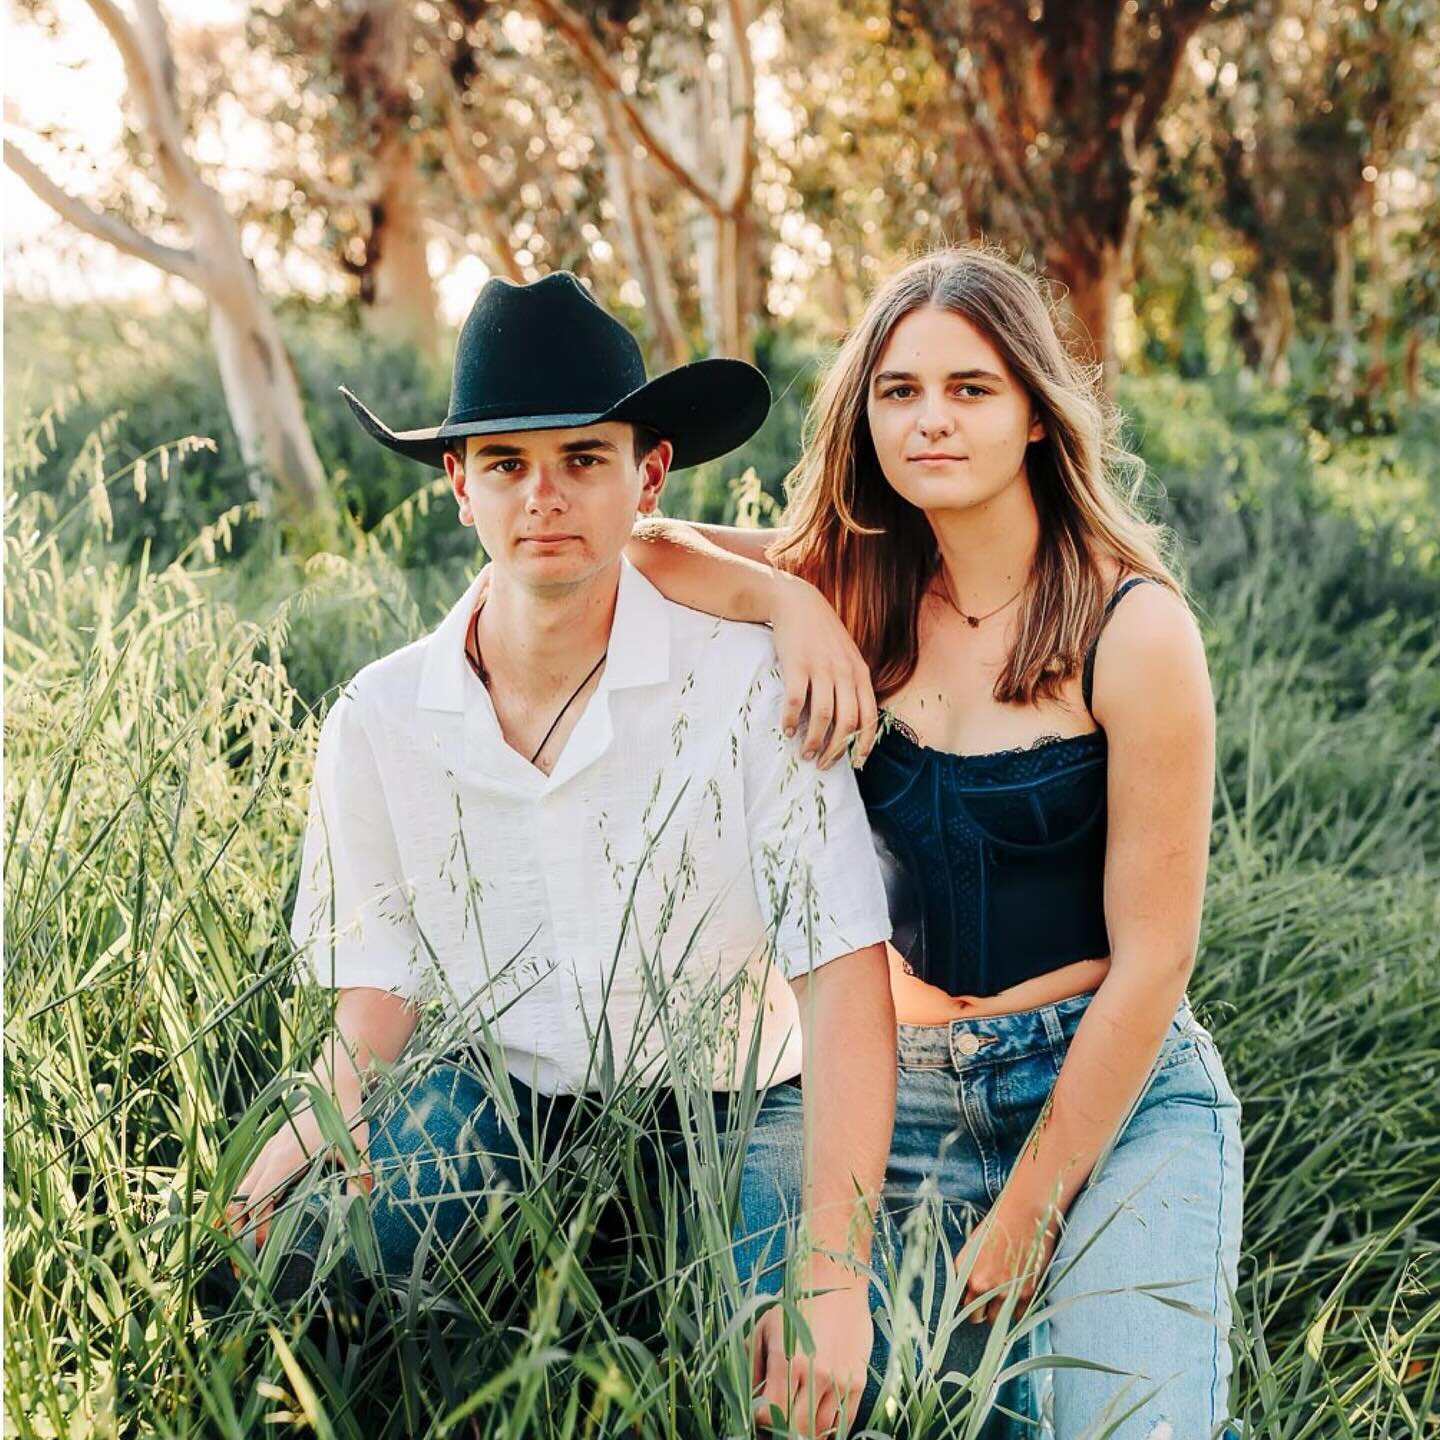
x: 953, y: 375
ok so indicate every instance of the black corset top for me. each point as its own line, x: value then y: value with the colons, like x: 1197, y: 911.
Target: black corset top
x: 993, y: 864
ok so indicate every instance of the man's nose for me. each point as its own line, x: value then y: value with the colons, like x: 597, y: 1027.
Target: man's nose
x: 545, y: 493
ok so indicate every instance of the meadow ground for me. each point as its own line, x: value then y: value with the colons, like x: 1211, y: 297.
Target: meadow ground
x: 164, y: 680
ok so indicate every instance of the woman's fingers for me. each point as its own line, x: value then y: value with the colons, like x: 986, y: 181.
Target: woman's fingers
x: 869, y: 720
x: 822, y: 712
x: 796, y: 689
x: 847, y: 722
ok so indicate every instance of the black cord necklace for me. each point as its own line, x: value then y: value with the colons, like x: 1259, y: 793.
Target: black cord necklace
x: 479, y: 669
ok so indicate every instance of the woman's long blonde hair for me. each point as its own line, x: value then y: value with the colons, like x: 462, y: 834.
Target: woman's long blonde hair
x: 873, y: 554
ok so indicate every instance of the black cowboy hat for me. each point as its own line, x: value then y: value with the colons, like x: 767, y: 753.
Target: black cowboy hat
x: 545, y: 356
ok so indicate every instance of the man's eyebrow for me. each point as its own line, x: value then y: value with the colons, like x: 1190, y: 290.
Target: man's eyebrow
x: 591, y: 442
x: 953, y: 375
x: 508, y: 451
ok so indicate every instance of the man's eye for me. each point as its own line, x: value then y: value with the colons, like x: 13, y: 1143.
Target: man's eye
x: 500, y: 465
x: 586, y: 461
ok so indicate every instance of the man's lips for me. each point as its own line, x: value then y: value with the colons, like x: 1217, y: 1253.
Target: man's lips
x: 546, y: 539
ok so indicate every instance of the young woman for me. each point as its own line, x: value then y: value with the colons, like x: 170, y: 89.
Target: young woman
x: 1040, y: 795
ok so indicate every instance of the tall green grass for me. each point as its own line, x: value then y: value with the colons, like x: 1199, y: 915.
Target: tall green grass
x: 159, y: 728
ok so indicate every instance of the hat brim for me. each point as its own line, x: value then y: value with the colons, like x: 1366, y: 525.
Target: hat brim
x: 705, y: 409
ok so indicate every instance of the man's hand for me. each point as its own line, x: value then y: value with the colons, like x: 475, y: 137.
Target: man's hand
x: 280, y: 1160
x: 810, y: 1391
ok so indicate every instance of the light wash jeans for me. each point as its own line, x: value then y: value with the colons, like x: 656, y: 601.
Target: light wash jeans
x: 1164, y: 1206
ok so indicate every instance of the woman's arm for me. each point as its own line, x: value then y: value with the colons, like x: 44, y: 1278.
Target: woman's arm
x: 725, y: 571
x: 1153, y: 698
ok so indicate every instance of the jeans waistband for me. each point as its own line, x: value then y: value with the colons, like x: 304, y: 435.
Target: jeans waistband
x: 992, y: 1039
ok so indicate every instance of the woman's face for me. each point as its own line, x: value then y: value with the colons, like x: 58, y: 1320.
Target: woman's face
x: 949, y: 421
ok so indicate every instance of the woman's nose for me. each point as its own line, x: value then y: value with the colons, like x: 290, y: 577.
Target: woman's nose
x: 934, y: 421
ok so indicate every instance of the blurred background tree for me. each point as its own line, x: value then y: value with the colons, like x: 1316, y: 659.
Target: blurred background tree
x: 1245, y: 187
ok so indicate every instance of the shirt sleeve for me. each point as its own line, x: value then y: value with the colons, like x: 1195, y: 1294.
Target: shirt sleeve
x: 816, y: 876
x: 353, y: 920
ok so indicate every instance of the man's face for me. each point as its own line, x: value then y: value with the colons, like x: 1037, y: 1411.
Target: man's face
x: 554, y: 508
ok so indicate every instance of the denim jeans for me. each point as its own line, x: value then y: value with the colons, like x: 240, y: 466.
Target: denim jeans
x: 448, y: 1146
x: 1162, y: 1207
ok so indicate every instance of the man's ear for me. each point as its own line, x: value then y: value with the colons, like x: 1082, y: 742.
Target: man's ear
x: 455, y: 469
x: 653, y: 470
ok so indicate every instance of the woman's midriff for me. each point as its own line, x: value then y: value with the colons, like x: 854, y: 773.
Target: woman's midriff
x: 919, y: 1003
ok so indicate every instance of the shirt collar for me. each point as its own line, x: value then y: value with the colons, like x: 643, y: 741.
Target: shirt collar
x: 639, y: 651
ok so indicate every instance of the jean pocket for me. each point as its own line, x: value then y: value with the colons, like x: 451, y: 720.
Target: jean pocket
x: 1021, y: 1088
x: 1180, y: 1047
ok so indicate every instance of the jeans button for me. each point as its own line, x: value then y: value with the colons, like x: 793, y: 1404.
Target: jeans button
x: 967, y: 1044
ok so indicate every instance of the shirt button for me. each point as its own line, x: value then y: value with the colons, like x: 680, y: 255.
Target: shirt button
x: 967, y: 1044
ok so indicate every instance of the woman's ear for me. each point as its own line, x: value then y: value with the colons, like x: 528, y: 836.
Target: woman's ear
x: 1037, y: 428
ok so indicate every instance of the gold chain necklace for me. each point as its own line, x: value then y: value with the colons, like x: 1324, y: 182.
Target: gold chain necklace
x: 974, y: 620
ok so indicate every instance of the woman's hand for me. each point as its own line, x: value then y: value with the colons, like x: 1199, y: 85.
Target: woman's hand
x: 1000, y: 1252
x: 280, y: 1160
x: 819, y: 659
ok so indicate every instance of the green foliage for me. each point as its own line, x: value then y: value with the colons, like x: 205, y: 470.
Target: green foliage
x: 162, y: 710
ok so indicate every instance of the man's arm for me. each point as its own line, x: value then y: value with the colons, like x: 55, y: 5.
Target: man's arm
x: 352, y: 925
x: 370, y: 1025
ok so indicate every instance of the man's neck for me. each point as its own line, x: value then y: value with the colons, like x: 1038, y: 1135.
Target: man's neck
x: 537, y: 642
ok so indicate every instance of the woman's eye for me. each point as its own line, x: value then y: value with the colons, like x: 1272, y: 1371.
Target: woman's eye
x: 898, y: 392
x: 972, y: 391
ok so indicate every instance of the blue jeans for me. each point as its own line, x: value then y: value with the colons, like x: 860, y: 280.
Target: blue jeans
x: 449, y: 1146
x: 1163, y: 1207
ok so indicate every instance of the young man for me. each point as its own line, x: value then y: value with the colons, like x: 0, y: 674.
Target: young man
x: 570, y: 814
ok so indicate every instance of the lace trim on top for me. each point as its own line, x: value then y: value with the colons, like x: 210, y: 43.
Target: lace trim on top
x: 896, y: 723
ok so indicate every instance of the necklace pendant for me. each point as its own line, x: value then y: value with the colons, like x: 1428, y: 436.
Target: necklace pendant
x: 973, y: 621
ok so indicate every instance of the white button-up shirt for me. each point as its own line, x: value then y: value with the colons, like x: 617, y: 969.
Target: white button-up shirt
x: 679, y: 849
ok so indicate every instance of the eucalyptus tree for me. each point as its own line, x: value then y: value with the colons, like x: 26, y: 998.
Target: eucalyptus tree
x: 262, y: 393
x: 1051, y: 111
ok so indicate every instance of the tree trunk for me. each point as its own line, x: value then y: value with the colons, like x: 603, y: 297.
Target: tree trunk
x: 263, y: 399
x: 1342, y: 311
x: 1275, y: 324
x: 262, y: 392
x: 1377, y: 373
x: 650, y: 267
x: 1094, y: 284
x: 1412, y: 364
x: 403, y: 303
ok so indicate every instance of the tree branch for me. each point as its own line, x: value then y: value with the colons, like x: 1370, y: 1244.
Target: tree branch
x: 110, y: 228
x: 740, y: 169
x: 575, y: 32
x: 151, y: 89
